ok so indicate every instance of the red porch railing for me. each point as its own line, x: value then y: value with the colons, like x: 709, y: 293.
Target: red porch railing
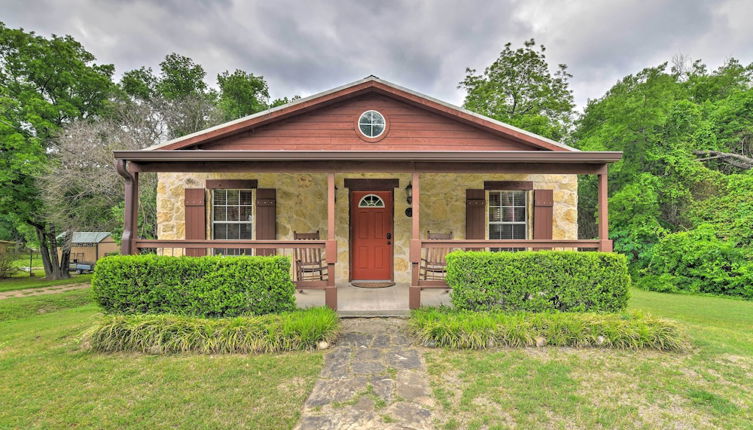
x: 329, y: 247
x: 533, y: 244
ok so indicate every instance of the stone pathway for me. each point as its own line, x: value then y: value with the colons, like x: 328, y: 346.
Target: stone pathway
x: 44, y: 290
x: 372, y: 379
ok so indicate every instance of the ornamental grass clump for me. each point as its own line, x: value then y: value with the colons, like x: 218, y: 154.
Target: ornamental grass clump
x: 479, y: 330
x: 163, y: 334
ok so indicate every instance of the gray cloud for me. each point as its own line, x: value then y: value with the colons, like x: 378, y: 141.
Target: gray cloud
x: 302, y: 47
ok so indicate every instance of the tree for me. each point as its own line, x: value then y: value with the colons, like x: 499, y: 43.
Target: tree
x: 241, y: 94
x: 686, y: 139
x: 518, y: 88
x: 81, y: 171
x: 45, y: 83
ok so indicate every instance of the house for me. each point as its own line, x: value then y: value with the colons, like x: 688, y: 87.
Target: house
x: 373, y: 168
x: 90, y: 246
x: 7, y: 246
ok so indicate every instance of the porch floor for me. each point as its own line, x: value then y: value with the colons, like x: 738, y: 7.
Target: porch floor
x: 377, y: 302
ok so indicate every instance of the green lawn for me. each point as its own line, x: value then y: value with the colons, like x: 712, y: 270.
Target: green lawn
x: 22, y: 283
x: 710, y: 386
x: 50, y: 381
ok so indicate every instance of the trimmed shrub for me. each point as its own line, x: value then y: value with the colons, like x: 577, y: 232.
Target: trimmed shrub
x: 163, y: 334
x: 479, y: 330
x: 697, y: 261
x: 538, y: 281
x: 197, y: 286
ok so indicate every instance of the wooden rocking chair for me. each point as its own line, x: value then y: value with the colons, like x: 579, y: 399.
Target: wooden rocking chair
x: 434, y: 265
x: 309, y: 264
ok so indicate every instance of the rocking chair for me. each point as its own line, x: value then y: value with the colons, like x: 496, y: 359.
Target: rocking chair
x: 309, y: 264
x: 434, y: 266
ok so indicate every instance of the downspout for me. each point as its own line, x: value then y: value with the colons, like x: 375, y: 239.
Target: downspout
x: 127, y: 238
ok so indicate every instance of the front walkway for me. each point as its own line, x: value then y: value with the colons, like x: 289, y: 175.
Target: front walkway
x: 373, y: 378
x: 384, y: 302
x: 28, y: 292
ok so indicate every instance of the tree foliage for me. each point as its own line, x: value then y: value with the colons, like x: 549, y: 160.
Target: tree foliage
x: 45, y: 84
x: 520, y: 89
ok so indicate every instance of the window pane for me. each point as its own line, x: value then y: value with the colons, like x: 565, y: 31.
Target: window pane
x: 233, y: 231
x: 232, y: 197
x: 376, y: 129
x: 233, y: 213
x: 220, y: 231
x: 220, y: 213
x: 518, y: 231
x: 220, y: 197
x: 245, y: 197
x: 495, y: 231
x: 245, y: 232
x: 520, y: 214
x: 494, y: 199
x: 519, y: 198
x: 245, y: 213
x: 495, y: 214
x: 507, y: 214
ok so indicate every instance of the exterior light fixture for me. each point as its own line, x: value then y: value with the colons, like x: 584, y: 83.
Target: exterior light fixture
x: 409, y: 193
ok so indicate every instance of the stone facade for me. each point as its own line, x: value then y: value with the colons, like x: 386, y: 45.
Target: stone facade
x: 302, y: 206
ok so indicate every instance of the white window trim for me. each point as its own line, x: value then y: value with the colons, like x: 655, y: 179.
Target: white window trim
x: 360, y: 202
x: 384, y: 123
x: 212, y: 222
x: 528, y: 206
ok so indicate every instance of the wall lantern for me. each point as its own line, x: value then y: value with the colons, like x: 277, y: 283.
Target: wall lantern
x: 409, y: 193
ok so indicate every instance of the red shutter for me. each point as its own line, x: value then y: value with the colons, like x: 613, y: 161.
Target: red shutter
x: 196, y: 227
x: 266, y: 217
x: 543, y: 203
x: 475, y: 205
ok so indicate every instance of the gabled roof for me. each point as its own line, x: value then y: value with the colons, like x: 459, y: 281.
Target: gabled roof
x: 363, y: 86
x: 86, y: 236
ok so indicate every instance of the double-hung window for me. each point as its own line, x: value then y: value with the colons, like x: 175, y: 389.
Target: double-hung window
x: 232, y: 218
x: 508, y: 216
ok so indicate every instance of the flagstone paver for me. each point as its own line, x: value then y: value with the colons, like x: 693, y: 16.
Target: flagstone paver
x: 372, y: 379
x: 28, y: 292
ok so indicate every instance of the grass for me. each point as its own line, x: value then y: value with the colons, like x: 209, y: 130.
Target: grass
x: 51, y: 381
x: 23, y: 283
x: 708, y: 386
x: 480, y: 330
x: 160, y: 334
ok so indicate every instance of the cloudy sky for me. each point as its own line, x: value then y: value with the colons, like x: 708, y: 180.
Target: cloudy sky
x: 302, y: 47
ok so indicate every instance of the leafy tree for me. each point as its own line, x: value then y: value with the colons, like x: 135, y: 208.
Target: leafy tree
x: 241, y: 94
x: 45, y: 83
x: 520, y: 89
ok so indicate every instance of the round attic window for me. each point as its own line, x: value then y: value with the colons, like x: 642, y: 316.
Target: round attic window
x: 372, y: 124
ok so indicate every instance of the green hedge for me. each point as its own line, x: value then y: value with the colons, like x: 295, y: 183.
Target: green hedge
x: 161, y: 334
x: 538, y: 281
x: 697, y: 261
x: 479, y: 330
x: 197, y: 286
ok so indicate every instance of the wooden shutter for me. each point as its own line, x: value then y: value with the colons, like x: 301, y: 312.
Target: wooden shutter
x: 475, y: 205
x: 266, y: 217
x: 196, y: 226
x: 543, y: 203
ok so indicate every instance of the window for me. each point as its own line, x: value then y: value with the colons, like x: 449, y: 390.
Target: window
x: 232, y: 218
x: 371, y: 201
x: 508, y: 218
x: 372, y: 124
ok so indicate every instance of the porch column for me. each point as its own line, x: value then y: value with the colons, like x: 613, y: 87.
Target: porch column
x: 414, y: 291
x: 330, y: 291
x: 605, y: 245
x: 130, y: 215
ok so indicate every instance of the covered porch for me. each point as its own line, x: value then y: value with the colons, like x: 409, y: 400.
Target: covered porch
x: 419, y: 169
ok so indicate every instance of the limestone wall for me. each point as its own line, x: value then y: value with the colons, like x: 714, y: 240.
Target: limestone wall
x: 302, y: 206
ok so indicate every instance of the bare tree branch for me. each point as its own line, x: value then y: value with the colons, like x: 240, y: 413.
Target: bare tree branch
x: 736, y: 160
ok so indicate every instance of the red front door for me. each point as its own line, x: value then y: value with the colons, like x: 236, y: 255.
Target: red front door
x: 371, y: 235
